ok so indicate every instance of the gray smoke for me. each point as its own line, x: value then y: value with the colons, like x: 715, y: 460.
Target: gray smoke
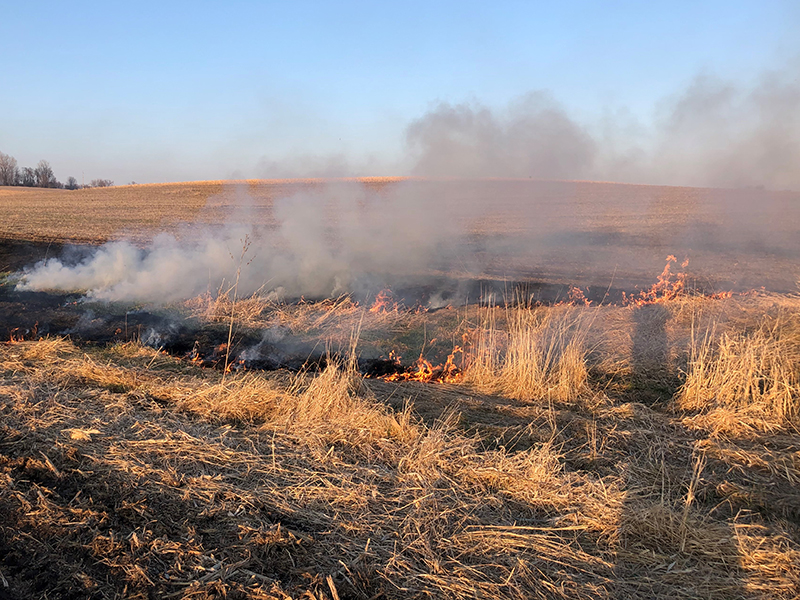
x: 324, y: 241
x: 715, y: 133
x: 306, y: 166
x: 720, y: 134
x: 532, y: 137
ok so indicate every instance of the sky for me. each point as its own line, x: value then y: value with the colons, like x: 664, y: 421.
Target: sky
x: 176, y: 91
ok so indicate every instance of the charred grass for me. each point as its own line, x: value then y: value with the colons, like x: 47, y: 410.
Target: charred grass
x: 610, y: 452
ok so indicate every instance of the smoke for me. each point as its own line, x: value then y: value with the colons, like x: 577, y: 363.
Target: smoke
x: 324, y: 240
x: 720, y: 134
x: 715, y: 133
x: 532, y: 137
x: 306, y: 166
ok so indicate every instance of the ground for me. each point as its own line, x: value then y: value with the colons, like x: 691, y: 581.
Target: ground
x: 626, y: 448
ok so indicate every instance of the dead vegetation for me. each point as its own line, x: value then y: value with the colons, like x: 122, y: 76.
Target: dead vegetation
x: 617, y: 452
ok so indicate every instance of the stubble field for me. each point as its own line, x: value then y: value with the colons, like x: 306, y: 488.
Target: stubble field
x: 582, y: 233
x: 636, y: 446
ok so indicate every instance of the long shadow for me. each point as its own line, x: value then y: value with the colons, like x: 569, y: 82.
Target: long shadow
x: 661, y: 551
x: 653, y: 378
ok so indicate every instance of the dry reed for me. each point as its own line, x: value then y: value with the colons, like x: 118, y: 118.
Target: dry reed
x: 541, y: 355
x: 752, y: 374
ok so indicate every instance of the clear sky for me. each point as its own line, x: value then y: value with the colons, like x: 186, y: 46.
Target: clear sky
x: 166, y: 91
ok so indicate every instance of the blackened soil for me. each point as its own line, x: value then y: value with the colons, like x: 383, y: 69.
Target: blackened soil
x: 15, y: 255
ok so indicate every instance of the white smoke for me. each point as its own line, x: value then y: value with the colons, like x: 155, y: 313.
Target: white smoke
x: 324, y: 241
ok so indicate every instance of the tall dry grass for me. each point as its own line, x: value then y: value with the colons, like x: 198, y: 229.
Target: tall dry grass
x: 750, y: 375
x: 329, y: 407
x: 302, y: 484
x: 541, y: 354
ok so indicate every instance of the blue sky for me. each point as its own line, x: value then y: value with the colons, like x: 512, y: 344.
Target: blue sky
x: 169, y: 91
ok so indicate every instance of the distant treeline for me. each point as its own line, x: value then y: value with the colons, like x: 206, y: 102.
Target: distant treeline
x: 40, y: 176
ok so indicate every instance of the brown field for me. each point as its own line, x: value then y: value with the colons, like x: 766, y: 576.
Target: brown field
x: 640, y: 450
x: 96, y: 215
x: 583, y: 233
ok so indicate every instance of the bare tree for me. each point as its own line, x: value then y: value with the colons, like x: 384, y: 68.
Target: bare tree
x: 72, y: 183
x: 8, y: 170
x: 27, y: 177
x: 101, y: 183
x: 44, y: 175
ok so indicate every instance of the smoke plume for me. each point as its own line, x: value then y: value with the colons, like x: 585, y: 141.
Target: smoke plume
x: 715, y: 133
x: 532, y: 137
x: 324, y: 241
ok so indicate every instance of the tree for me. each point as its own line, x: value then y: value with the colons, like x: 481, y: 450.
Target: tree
x: 27, y: 177
x: 44, y: 175
x: 101, y: 183
x: 72, y: 183
x: 8, y: 170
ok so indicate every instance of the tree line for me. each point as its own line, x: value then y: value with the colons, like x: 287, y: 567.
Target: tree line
x: 40, y: 176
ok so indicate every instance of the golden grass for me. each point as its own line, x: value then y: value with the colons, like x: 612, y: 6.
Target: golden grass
x: 744, y: 376
x: 128, y: 473
x: 541, y: 356
x: 137, y: 211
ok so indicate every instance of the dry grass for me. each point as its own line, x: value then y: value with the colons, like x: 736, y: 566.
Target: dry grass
x: 128, y: 473
x: 748, y: 377
x: 218, y: 307
x: 540, y: 356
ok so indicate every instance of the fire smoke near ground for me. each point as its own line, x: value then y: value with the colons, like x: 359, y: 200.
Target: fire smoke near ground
x: 344, y: 238
x: 347, y: 237
x: 326, y: 241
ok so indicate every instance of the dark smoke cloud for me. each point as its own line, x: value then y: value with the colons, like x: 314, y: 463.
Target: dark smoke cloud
x: 715, y: 133
x: 532, y: 137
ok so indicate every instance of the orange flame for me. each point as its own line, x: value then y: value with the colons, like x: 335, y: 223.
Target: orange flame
x: 426, y: 372
x: 577, y: 297
x: 16, y: 335
x: 384, y: 302
x: 668, y: 287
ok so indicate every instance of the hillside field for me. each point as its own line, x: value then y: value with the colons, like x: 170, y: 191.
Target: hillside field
x: 582, y: 233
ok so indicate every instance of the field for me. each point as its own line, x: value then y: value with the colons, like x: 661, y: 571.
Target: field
x: 581, y: 233
x: 643, y: 442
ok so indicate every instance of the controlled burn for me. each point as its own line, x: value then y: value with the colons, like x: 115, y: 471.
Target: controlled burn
x: 204, y: 343
x: 422, y: 370
x: 670, y: 285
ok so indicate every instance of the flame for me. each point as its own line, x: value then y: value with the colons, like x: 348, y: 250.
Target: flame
x: 423, y: 370
x: 577, y: 297
x: 384, y: 302
x: 238, y: 365
x: 668, y: 287
x: 17, y: 335
x: 721, y: 295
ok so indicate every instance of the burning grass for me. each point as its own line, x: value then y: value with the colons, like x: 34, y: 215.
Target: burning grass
x: 581, y: 453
